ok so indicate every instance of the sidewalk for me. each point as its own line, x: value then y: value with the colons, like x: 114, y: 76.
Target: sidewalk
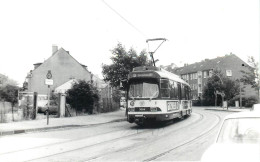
x: 55, y: 123
x: 230, y: 109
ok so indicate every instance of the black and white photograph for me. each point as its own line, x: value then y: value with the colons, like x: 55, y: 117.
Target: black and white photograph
x: 129, y: 80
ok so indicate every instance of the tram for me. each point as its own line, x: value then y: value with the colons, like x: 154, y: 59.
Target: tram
x: 156, y: 94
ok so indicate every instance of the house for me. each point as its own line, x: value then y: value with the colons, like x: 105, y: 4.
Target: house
x: 61, y: 67
x: 196, y: 74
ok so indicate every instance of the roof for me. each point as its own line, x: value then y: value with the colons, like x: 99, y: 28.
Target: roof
x: 165, y: 74
x: 67, y: 52
x: 64, y: 87
x: 209, y: 64
x: 159, y: 71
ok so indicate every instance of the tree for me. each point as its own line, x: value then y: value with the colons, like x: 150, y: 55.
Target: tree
x: 4, y: 80
x: 123, y: 63
x: 219, y: 86
x: 9, y: 93
x: 82, y: 95
x: 251, y: 74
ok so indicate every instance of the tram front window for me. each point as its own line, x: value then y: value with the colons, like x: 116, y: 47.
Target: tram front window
x: 143, y: 90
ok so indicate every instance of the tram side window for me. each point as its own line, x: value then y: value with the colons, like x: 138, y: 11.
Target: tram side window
x: 165, y: 90
x: 183, y: 92
x: 173, y: 90
x: 189, y: 89
x: 179, y: 91
x: 187, y: 92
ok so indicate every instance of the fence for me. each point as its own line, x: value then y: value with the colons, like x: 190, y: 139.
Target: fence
x: 108, y: 104
x: 6, y: 114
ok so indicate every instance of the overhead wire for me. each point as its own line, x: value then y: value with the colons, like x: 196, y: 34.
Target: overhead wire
x: 128, y: 22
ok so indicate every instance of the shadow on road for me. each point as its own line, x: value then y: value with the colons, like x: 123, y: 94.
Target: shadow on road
x: 151, y: 124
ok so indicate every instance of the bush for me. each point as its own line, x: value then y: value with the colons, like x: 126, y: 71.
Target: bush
x: 246, y: 101
x: 250, y: 101
x: 233, y: 101
x: 82, y: 96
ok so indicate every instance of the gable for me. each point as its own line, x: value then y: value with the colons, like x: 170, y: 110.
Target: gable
x: 61, y: 60
x: 63, y: 68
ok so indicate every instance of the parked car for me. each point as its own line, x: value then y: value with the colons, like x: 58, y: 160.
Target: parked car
x: 53, y: 108
x: 238, y: 139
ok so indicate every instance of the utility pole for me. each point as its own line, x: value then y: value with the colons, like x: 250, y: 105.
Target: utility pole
x: 48, y: 82
x: 240, y: 95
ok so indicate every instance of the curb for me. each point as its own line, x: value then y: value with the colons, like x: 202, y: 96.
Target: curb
x: 19, y: 131
x: 225, y: 110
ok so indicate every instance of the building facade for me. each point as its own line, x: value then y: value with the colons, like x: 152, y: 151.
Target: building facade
x: 60, y: 67
x: 197, y: 74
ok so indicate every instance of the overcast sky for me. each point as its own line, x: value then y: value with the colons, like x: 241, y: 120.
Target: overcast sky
x: 89, y: 29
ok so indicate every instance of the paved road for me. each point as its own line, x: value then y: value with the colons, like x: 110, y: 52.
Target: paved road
x: 174, y: 141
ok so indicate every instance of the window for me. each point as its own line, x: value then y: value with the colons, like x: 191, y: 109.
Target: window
x: 143, y: 90
x: 205, y: 74
x: 199, y: 88
x: 210, y: 73
x: 229, y: 73
x: 165, y: 89
x: 185, y: 92
x: 174, y: 90
x: 182, y: 92
x: 195, y: 76
x: 199, y: 80
x: 195, y: 86
x: 179, y: 90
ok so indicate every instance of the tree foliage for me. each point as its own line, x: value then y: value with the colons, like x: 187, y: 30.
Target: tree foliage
x: 222, y: 84
x: 5, y: 80
x: 82, y: 95
x: 251, y: 74
x: 122, y: 63
x: 9, y: 93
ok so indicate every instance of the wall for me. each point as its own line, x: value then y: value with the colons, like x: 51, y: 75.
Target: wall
x: 63, y: 68
x: 6, y: 113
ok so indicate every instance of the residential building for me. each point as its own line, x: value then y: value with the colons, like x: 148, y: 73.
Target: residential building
x: 196, y: 74
x: 61, y: 67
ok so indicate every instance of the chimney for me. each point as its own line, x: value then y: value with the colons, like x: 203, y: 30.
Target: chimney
x: 54, y: 49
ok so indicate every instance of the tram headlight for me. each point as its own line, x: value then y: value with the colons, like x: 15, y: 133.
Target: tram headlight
x: 132, y: 103
x: 131, y: 109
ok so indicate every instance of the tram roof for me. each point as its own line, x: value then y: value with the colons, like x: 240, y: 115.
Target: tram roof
x: 161, y: 72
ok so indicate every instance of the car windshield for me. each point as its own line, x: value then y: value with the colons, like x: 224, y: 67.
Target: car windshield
x: 144, y: 90
x: 242, y: 130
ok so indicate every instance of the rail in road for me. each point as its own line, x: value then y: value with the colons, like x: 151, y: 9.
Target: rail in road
x: 187, y: 142
x: 113, y: 138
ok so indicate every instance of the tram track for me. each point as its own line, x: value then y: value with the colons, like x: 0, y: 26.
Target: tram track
x: 57, y: 143
x: 132, y: 134
x: 187, y: 142
x: 201, y: 117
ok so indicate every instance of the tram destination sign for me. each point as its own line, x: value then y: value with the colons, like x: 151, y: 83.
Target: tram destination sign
x: 144, y: 75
